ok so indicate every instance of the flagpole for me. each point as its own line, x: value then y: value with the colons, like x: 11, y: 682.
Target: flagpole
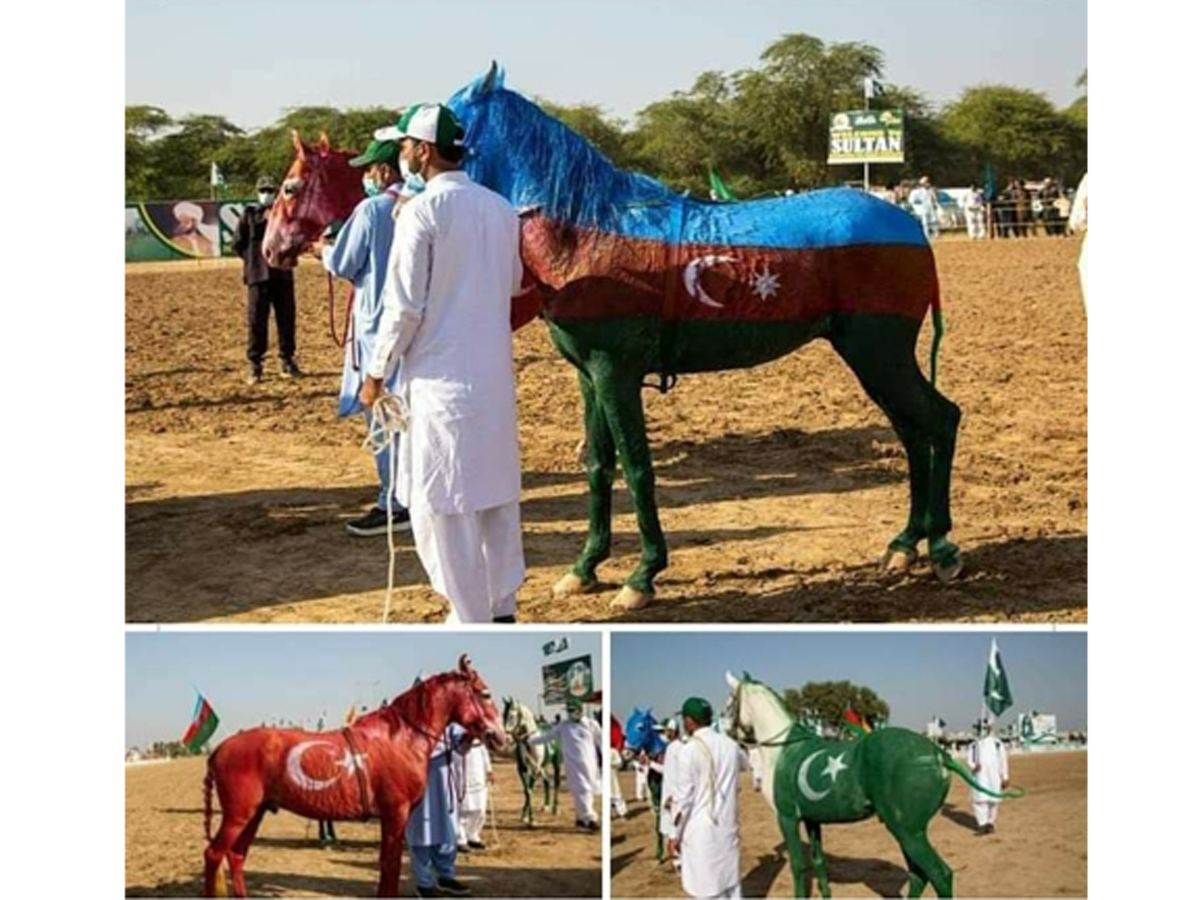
x: 867, y: 83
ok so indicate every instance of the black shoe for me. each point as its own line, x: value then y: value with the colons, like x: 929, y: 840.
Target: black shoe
x: 289, y: 369
x: 453, y: 887
x: 429, y: 892
x: 586, y: 826
x: 477, y: 845
x: 464, y: 848
x: 504, y: 620
x: 376, y: 521
x: 255, y: 376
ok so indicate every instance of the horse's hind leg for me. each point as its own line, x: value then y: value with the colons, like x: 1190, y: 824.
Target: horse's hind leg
x: 924, y: 862
x: 880, y: 351
x: 601, y: 464
x: 220, y: 847
x: 916, y: 878
x: 240, y: 850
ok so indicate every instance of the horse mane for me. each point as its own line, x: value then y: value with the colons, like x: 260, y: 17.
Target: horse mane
x: 393, y: 715
x: 534, y: 159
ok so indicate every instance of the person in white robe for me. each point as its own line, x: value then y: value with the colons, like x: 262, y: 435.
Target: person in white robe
x: 988, y: 762
x: 474, y: 775
x: 641, y: 769
x: 1077, y: 222
x: 580, y: 740
x: 925, y: 206
x: 454, y: 266
x: 620, y: 810
x: 669, y: 769
x: 706, y: 801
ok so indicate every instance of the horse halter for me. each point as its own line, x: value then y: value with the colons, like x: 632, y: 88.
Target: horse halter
x: 741, y: 735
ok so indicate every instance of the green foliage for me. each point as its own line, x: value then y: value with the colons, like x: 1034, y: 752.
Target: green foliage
x: 764, y: 129
x: 828, y: 700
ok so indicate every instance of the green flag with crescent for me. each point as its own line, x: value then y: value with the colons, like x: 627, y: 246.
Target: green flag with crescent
x: 996, y: 693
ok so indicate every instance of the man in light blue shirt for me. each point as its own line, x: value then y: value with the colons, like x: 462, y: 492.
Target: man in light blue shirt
x: 359, y: 254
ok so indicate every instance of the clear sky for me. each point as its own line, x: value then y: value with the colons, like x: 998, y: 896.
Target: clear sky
x: 249, y: 59
x: 920, y: 675
x: 250, y: 677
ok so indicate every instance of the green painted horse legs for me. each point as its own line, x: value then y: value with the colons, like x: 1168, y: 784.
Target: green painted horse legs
x: 654, y: 787
x: 880, y: 352
x: 818, y: 857
x: 790, y: 828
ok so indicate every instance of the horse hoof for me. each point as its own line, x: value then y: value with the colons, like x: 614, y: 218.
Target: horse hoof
x: 629, y: 599
x: 907, y: 556
x: 571, y: 585
x: 949, y: 570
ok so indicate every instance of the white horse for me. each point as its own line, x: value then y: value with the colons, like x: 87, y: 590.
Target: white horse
x: 533, y: 760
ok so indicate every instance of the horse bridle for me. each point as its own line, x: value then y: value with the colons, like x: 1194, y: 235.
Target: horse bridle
x: 740, y: 733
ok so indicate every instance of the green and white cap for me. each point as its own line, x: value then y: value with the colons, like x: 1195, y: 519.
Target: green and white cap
x: 433, y: 123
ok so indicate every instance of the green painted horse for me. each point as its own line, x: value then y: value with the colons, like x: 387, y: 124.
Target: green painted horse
x: 641, y: 282
x: 893, y: 773
x: 535, y: 762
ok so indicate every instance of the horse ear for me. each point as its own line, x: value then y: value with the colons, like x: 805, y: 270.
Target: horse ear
x: 731, y: 680
x: 297, y: 143
x: 493, y: 79
x: 464, y: 664
x: 323, y: 143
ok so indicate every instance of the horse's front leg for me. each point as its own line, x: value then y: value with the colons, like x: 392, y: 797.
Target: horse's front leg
x: 620, y: 396
x: 391, y: 849
x: 600, y: 460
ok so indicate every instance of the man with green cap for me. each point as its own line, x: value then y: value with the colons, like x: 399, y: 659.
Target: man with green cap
x: 706, y: 807
x: 454, y: 267
x: 266, y: 288
x: 579, y: 738
x: 359, y: 254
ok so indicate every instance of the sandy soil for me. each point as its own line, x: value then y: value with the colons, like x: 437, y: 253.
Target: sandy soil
x: 778, y: 486
x: 1038, y: 850
x: 164, y: 846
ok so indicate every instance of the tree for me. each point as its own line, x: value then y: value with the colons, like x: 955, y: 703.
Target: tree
x: 181, y: 161
x: 1018, y: 131
x: 142, y: 124
x: 828, y: 700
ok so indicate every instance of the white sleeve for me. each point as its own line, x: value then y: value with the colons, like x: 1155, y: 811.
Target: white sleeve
x: 406, y: 287
x: 683, y: 791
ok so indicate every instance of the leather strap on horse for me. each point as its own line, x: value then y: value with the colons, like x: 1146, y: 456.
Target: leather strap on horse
x: 357, y: 756
x: 348, y: 319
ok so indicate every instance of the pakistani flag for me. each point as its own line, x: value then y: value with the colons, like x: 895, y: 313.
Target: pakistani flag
x: 716, y: 187
x: 204, y: 723
x: 996, y: 694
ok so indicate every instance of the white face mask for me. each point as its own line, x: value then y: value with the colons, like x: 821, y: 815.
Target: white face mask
x: 266, y: 198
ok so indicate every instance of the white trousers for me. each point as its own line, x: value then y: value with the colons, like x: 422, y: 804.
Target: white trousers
x: 733, y: 893
x: 1083, y: 271
x: 985, y: 812
x: 639, y: 784
x: 470, y: 826
x: 475, y: 560
x: 585, y: 809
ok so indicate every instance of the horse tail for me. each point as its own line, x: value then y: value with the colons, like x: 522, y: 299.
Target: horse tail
x: 209, y: 781
x: 939, y: 328
x: 961, y: 771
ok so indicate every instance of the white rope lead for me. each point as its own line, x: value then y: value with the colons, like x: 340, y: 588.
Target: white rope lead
x: 389, y: 417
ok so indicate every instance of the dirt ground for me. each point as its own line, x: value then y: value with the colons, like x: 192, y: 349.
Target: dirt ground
x: 778, y: 486
x: 164, y: 846
x: 1039, y: 848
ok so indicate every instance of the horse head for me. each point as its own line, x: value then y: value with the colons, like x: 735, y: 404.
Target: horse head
x: 735, y: 714
x: 321, y: 187
x: 641, y: 734
x: 471, y: 706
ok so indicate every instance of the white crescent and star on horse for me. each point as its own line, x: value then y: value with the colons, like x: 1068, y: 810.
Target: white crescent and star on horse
x: 833, y: 767
x: 348, y: 764
x: 765, y: 284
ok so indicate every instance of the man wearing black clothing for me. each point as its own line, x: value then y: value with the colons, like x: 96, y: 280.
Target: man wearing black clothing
x: 266, y: 287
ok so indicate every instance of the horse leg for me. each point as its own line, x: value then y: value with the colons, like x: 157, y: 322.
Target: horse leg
x: 789, y: 826
x: 621, y: 398
x: 233, y: 823
x: 391, y: 848
x: 924, y: 860
x: 916, y: 878
x: 818, y: 857
x: 557, y: 784
x: 880, y: 352
x: 241, y: 849
x: 601, y: 469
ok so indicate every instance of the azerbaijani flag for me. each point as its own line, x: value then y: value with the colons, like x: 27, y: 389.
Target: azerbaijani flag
x: 857, y: 722
x: 204, y: 723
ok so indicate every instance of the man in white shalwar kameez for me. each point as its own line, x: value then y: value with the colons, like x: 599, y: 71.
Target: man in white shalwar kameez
x: 474, y: 774
x: 670, y: 775
x: 706, y: 800
x: 454, y: 266
x: 988, y: 762
x: 580, y: 740
x: 641, y: 769
x: 620, y: 810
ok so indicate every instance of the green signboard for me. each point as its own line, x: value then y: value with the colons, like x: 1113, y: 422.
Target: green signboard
x: 180, y: 229
x: 867, y: 136
x: 569, y: 679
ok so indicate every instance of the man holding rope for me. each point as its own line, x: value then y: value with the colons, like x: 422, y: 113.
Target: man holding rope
x: 359, y: 254
x: 455, y: 265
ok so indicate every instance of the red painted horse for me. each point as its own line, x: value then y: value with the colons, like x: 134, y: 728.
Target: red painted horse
x: 375, y: 768
x: 322, y: 187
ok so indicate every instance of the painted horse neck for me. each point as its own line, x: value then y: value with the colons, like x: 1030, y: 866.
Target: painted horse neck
x: 426, y: 709
x: 774, y: 728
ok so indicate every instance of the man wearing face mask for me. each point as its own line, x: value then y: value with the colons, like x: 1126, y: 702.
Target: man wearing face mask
x: 266, y: 287
x: 359, y: 254
x: 454, y: 267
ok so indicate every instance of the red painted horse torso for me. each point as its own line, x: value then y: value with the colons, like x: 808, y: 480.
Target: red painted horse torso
x: 375, y: 768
